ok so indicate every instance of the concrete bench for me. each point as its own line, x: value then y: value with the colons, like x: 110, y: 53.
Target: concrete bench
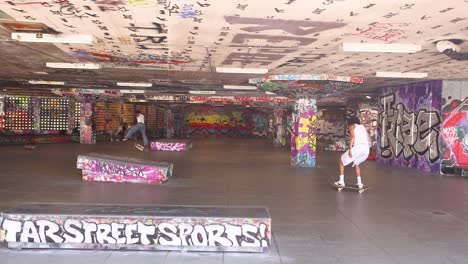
x: 137, y: 227
x: 171, y: 145
x: 109, y: 168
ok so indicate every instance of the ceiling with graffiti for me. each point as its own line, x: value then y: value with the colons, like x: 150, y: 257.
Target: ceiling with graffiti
x: 177, y: 44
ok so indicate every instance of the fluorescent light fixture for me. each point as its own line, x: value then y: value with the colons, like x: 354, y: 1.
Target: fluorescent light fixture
x: 270, y: 93
x: 240, y: 87
x: 202, y: 92
x: 402, y: 74
x: 129, y: 84
x: 132, y: 91
x: 46, y: 82
x: 368, y: 97
x: 41, y: 72
x: 51, y: 38
x: 378, y: 47
x: 60, y: 65
x: 241, y: 70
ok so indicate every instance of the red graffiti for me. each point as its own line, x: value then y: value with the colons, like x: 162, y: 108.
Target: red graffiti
x: 382, y: 31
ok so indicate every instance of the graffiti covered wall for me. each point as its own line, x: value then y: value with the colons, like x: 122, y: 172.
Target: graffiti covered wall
x: 206, y: 121
x: 331, y: 129
x: 303, y: 140
x: 409, y: 125
x: 454, y: 130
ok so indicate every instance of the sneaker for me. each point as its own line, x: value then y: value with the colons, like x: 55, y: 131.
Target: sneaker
x: 338, y: 183
x: 125, y: 139
x: 360, y: 186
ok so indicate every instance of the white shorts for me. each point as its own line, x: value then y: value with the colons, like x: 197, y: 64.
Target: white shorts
x: 360, y: 154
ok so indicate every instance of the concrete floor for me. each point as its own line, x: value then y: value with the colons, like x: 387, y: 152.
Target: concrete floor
x: 408, y: 216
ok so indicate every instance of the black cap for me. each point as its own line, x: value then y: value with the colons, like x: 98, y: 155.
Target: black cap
x: 137, y: 111
x: 353, y: 121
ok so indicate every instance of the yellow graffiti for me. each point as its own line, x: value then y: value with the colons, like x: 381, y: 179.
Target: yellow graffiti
x: 303, y: 125
x: 209, y: 118
x: 301, y: 142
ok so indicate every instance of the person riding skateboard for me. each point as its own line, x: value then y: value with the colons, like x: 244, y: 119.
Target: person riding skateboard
x: 358, y: 150
x: 140, y: 126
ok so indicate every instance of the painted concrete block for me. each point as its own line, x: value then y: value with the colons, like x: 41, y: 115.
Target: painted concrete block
x: 109, y: 168
x: 137, y: 227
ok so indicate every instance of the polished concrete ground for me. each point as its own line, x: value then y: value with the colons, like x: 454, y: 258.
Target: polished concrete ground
x: 408, y: 216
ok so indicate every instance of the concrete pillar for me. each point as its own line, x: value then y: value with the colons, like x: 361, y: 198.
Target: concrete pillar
x: 279, y: 127
x: 2, y: 112
x: 87, y: 135
x: 36, y: 108
x: 169, y: 124
x: 303, y: 140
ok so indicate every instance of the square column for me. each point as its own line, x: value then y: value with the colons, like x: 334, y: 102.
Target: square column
x: 279, y: 127
x: 303, y: 140
x: 87, y: 124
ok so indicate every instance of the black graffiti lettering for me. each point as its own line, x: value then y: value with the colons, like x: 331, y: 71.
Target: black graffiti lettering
x: 104, y: 8
x: 153, y: 39
x: 390, y: 15
x: 160, y: 28
x: 203, y: 5
x: 296, y: 27
x: 318, y: 11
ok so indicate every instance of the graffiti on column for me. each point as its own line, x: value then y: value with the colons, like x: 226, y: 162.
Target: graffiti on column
x: 169, y: 124
x: 408, y: 134
x: 303, y: 141
x: 86, y: 124
x: 279, y: 129
x: 260, y: 125
x: 454, y: 131
x: 2, y: 112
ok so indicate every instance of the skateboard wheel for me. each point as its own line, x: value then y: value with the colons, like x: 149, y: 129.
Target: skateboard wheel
x: 361, y: 191
x: 339, y: 189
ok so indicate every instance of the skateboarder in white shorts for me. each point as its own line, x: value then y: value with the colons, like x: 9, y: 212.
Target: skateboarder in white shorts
x: 358, y: 152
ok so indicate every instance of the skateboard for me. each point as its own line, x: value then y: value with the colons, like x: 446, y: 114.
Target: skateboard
x: 351, y: 187
x: 139, y: 147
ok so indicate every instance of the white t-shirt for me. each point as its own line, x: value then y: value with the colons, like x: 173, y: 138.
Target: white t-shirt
x: 360, y: 135
x: 141, y: 118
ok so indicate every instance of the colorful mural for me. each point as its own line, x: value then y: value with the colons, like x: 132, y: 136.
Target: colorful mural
x: 409, y: 125
x: 307, y: 85
x: 303, y: 140
x: 454, y: 130
x: 203, y: 121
